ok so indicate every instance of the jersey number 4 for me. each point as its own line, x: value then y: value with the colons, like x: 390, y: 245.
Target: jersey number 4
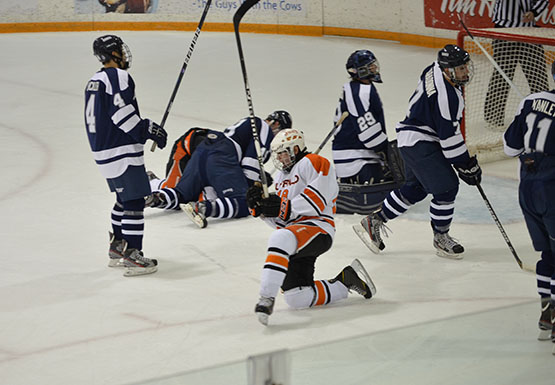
x: 90, y: 117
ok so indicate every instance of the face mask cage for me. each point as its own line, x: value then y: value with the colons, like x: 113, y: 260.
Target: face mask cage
x: 369, y: 71
x: 283, y: 157
x: 462, y: 81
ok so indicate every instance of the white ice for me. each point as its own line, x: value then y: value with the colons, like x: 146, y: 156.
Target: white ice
x: 66, y: 318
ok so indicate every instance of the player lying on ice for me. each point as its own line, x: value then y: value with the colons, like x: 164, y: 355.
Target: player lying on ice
x: 302, y: 210
x: 219, y: 165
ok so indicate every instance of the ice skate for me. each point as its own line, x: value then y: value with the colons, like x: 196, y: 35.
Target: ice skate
x: 195, y: 211
x: 264, y: 308
x: 369, y: 231
x: 447, y: 246
x: 545, y: 322
x: 116, y: 251
x: 137, y: 264
x: 156, y: 200
x: 350, y: 277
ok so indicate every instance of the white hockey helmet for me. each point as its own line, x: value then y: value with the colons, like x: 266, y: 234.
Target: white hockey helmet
x: 283, y: 148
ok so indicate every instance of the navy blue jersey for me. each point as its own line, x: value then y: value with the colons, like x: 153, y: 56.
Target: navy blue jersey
x: 533, y: 128
x: 113, y: 123
x: 241, y: 136
x: 434, y: 114
x: 362, y: 133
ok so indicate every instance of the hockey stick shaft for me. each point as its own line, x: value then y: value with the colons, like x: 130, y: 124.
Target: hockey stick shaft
x: 184, y: 67
x: 248, y: 4
x: 332, y: 132
x: 500, y: 227
x: 492, y: 60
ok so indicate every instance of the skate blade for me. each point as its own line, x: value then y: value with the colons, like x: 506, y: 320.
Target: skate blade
x: 136, y: 271
x: 545, y: 335
x: 114, y: 262
x: 263, y: 318
x: 365, y: 238
x: 359, y: 269
x: 443, y: 254
x: 198, y: 220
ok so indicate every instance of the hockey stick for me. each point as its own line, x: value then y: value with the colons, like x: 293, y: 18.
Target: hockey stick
x: 184, y: 67
x: 493, y: 62
x: 248, y: 4
x: 330, y: 134
x: 503, y: 233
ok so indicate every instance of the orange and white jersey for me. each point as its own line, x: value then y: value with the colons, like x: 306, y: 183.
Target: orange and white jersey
x: 311, y: 187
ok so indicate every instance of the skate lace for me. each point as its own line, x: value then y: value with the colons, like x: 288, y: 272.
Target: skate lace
x: 447, y: 240
x: 381, y: 228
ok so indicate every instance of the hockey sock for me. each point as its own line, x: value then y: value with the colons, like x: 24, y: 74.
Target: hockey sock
x: 227, y: 208
x: 544, y: 274
x: 394, y: 205
x: 274, y: 271
x: 117, y: 214
x: 133, y: 223
x: 327, y: 292
x: 441, y: 214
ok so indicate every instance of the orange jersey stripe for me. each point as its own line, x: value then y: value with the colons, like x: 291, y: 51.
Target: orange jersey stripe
x: 315, y: 198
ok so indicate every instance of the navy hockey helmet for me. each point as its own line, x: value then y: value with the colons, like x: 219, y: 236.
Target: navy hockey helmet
x: 452, y: 57
x: 105, y: 46
x: 364, y: 65
x: 553, y: 69
x: 282, y: 117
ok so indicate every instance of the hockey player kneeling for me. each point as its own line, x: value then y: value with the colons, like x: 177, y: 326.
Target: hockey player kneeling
x: 302, y: 210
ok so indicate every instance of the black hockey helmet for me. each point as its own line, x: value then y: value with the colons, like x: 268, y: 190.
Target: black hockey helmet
x: 363, y: 64
x: 452, y: 56
x: 282, y: 117
x: 105, y: 46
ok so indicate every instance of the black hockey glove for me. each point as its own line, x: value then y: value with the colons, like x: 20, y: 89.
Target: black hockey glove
x: 157, y: 134
x: 254, y: 197
x: 274, y: 206
x: 470, y: 173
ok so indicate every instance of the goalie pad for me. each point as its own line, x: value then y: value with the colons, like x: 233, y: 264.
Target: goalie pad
x: 365, y: 199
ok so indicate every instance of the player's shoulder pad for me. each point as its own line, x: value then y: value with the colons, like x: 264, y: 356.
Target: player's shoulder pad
x: 319, y: 163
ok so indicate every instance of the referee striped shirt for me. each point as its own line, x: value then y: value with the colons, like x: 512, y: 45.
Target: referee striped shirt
x: 509, y: 13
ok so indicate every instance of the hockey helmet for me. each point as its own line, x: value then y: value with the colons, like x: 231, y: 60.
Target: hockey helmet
x: 282, y: 117
x: 457, y: 64
x: 105, y: 46
x: 363, y: 65
x: 553, y: 69
x: 283, y: 145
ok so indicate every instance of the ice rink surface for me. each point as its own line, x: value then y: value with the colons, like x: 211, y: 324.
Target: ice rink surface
x: 66, y: 318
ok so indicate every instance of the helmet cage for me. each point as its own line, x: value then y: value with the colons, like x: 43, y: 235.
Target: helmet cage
x: 452, y: 74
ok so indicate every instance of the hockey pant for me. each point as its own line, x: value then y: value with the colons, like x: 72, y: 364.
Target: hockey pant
x: 292, y: 254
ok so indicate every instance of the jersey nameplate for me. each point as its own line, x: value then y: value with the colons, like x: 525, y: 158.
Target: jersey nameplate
x: 544, y: 106
x: 429, y: 83
x: 92, y: 86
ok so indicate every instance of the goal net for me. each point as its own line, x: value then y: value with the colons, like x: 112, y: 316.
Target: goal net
x: 525, y: 55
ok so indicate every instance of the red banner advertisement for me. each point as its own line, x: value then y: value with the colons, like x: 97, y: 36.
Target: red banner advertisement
x: 475, y: 14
